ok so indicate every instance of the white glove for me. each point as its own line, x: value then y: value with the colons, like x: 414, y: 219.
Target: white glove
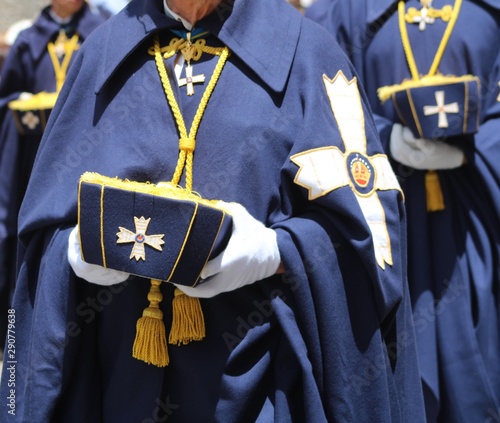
x: 91, y: 272
x: 251, y: 255
x: 420, y: 153
x: 25, y: 96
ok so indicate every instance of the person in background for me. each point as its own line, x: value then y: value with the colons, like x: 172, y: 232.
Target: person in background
x: 433, y: 89
x: 304, y: 313
x: 9, y: 36
x: 318, y: 11
x: 301, y: 5
x: 108, y: 8
x: 32, y: 75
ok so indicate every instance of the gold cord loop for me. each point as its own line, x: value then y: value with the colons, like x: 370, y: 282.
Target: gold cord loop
x: 185, y: 154
x: 442, y: 46
x: 61, y: 68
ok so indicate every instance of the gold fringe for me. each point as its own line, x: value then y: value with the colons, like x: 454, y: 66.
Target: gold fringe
x: 162, y: 189
x: 435, y: 200
x: 150, y: 343
x: 40, y: 101
x: 385, y: 93
x: 188, y: 323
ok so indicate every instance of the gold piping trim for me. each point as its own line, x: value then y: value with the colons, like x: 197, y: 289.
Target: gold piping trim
x: 79, y: 219
x: 415, y: 116
x: 398, y: 111
x: 466, y: 107
x: 101, y: 227
x: 184, y: 243
x: 211, y: 249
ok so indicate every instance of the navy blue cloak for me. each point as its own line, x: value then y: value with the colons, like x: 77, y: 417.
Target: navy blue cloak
x: 28, y: 68
x: 454, y: 254
x: 330, y: 340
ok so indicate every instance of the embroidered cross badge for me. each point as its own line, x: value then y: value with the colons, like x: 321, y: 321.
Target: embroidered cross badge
x: 139, y: 238
x: 323, y: 170
x: 441, y: 109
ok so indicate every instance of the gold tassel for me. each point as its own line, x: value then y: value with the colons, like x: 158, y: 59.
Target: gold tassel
x: 188, y: 323
x: 150, y: 343
x: 435, y: 200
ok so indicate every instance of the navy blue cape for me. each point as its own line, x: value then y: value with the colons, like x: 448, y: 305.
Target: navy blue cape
x: 454, y: 255
x: 331, y: 340
x: 28, y: 68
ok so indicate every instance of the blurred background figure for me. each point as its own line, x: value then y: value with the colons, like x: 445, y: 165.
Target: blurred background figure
x: 8, y: 37
x: 107, y: 8
x: 301, y: 5
x: 434, y: 91
x: 34, y: 70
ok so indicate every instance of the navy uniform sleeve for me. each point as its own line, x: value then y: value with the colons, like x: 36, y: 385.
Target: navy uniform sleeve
x: 352, y: 297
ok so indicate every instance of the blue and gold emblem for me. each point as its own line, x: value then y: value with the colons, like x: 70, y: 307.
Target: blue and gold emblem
x: 361, y: 172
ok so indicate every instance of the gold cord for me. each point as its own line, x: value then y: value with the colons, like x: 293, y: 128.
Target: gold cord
x: 442, y: 46
x: 61, y: 68
x: 187, y: 142
x: 188, y: 323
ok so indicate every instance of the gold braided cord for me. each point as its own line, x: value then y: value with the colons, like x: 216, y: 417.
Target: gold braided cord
x: 186, y: 141
x: 61, y: 68
x: 180, y: 44
x: 384, y: 93
x: 442, y: 46
x: 446, y: 37
x: 406, y: 42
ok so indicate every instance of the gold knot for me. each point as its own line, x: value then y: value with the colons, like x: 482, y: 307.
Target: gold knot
x: 192, y: 51
x: 187, y: 144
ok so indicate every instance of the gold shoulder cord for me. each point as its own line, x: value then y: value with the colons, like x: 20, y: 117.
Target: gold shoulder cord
x: 432, y: 77
x: 187, y: 142
x: 61, y: 68
x: 442, y: 46
x: 187, y: 317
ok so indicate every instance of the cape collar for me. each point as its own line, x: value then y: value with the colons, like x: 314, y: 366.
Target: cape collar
x: 84, y: 20
x: 247, y: 27
x: 376, y: 9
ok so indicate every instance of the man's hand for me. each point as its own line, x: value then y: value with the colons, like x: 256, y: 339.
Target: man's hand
x: 251, y: 255
x: 91, y: 272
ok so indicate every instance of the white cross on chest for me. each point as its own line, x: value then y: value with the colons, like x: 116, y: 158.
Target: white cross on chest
x: 423, y: 19
x: 189, y: 80
x: 441, y: 109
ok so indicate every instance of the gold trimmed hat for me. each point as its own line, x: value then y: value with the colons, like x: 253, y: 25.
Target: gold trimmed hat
x: 437, y: 107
